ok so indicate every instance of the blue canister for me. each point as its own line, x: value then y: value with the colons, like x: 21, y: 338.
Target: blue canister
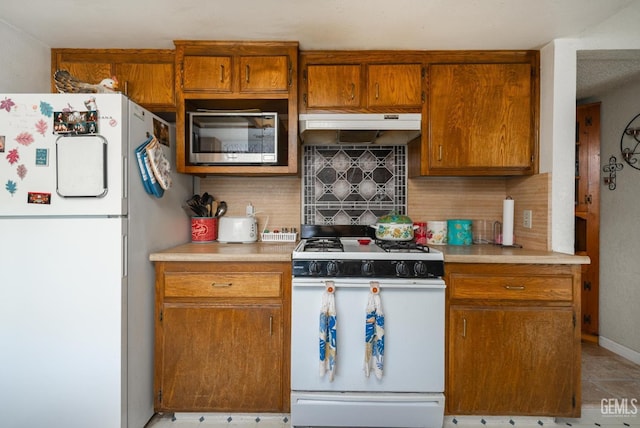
x: 459, y: 232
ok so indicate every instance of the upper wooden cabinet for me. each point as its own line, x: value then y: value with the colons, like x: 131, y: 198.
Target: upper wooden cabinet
x: 212, y: 73
x: 481, y: 117
x: 332, y: 86
x: 220, y: 75
x: 361, y: 81
x: 255, y: 73
x: 398, y: 85
x: 144, y: 75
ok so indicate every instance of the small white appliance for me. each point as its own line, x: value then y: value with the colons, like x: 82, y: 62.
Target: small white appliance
x: 242, y: 230
x: 77, y: 228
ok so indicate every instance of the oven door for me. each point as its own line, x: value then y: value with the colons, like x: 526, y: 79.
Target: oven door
x: 413, y: 342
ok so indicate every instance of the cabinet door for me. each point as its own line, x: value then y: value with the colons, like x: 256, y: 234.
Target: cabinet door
x: 147, y: 83
x: 221, y: 358
x: 480, y: 117
x: 511, y: 361
x: 587, y: 158
x: 394, y: 85
x: 88, y: 71
x: 207, y: 73
x: 264, y: 73
x: 331, y: 86
x: 587, y: 210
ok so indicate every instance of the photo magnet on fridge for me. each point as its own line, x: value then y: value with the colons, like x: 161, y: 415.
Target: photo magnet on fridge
x: 40, y: 198
x: 75, y: 122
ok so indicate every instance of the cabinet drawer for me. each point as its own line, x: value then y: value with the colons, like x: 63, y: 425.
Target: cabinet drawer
x: 204, y: 284
x: 511, y: 287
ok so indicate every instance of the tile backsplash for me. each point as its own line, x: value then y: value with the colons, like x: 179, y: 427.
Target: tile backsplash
x: 353, y: 184
x: 278, y: 199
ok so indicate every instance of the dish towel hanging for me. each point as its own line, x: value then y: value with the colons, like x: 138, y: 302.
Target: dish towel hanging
x: 374, y: 333
x: 328, y: 331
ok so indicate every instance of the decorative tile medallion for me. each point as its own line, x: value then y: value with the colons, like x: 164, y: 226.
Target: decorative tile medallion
x: 353, y: 184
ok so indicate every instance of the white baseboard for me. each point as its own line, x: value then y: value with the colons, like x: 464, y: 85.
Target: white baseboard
x: 621, y: 350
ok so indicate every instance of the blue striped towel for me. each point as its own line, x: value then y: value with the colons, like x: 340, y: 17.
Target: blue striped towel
x: 328, y: 339
x: 374, y: 333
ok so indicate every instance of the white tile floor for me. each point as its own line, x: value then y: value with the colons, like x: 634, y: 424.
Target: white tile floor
x: 592, y: 417
x: 604, y: 374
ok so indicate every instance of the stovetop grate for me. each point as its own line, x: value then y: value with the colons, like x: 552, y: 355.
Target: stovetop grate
x: 401, y: 246
x: 324, y: 244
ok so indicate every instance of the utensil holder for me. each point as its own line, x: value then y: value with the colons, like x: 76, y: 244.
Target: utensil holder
x: 204, y: 229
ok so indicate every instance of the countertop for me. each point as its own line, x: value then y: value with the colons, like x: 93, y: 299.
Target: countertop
x: 488, y: 253
x: 281, y: 252
x: 216, y: 252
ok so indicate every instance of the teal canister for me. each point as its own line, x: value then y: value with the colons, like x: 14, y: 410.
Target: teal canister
x: 459, y: 232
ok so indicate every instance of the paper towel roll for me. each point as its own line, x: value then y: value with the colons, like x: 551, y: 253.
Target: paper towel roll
x: 507, y: 222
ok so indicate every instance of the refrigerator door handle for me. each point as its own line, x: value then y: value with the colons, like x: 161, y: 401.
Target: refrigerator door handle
x: 125, y: 177
x: 125, y: 255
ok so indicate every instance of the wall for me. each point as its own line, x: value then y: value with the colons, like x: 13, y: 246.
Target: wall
x: 619, y: 244
x: 276, y: 199
x: 558, y: 61
x: 26, y: 63
x: 532, y: 193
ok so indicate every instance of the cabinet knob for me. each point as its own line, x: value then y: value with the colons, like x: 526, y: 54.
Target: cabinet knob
x: 514, y: 287
x: 247, y: 69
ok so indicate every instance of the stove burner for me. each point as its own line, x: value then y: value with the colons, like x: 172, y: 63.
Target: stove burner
x: 323, y: 244
x: 401, y: 246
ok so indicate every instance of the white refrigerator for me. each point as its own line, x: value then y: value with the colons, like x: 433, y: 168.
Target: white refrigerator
x: 76, y: 284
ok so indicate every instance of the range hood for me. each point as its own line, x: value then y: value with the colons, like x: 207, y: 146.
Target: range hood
x: 359, y: 128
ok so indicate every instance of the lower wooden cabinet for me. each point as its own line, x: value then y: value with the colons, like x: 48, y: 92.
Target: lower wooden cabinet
x: 222, y: 337
x: 513, y: 344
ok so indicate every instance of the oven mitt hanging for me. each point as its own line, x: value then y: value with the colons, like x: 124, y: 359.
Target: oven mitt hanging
x: 151, y: 185
x: 159, y: 164
x: 374, y: 333
x: 328, y: 332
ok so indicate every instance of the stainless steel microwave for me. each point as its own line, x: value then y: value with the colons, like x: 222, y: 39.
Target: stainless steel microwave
x: 233, y: 138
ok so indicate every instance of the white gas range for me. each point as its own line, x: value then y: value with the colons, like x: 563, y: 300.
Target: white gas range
x: 336, y: 378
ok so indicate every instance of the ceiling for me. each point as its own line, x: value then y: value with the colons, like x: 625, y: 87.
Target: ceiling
x: 602, y: 71
x: 325, y: 24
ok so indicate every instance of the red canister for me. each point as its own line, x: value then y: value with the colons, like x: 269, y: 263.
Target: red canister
x: 420, y: 232
x: 204, y: 229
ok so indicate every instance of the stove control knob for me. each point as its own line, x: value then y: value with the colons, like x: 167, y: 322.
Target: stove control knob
x: 314, y: 268
x: 402, y: 269
x: 420, y: 269
x: 332, y: 268
x: 367, y: 268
